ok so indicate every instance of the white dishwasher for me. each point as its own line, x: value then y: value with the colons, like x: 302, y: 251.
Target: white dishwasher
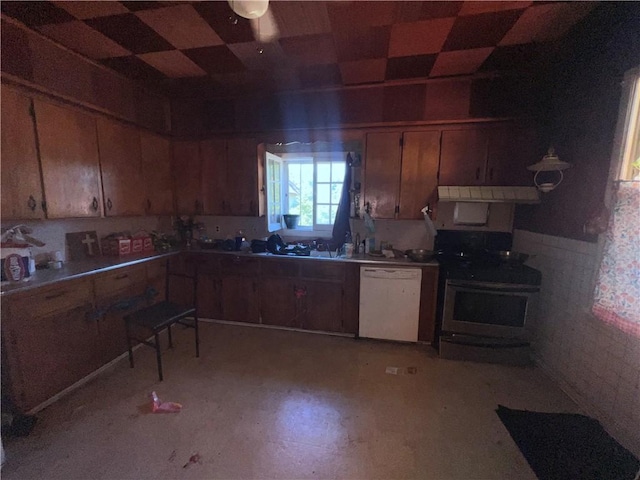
x: 390, y: 303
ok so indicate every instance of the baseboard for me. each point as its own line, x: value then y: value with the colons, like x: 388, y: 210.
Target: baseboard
x: 276, y: 327
x: 81, y: 382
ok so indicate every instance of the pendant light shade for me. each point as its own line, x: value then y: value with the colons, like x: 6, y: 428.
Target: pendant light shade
x: 549, y: 163
x: 249, y: 8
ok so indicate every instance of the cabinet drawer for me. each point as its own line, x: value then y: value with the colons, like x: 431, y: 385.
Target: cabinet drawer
x: 156, y: 268
x: 323, y: 270
x: 238, y: 265
x: 52, y: 299
x: 280, y: 268
x: 121, y: 279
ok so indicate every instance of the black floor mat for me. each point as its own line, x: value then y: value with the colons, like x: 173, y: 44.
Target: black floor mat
x: 568, y: 446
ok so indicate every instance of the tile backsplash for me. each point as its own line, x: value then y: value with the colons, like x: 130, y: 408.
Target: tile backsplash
x: 595, y: 363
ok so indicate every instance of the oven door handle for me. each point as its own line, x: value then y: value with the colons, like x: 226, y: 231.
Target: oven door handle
x: 493, y: 287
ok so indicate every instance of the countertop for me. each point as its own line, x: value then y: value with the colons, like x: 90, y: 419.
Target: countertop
x: 77, y: 269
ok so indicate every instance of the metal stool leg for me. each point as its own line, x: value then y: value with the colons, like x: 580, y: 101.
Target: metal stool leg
x: 170, y: 339
x: 129, y: 343
x: 158, y: 356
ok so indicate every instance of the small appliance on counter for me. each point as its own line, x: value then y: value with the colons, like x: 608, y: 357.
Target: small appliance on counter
x: 277, y: 246
x: 484, y: 299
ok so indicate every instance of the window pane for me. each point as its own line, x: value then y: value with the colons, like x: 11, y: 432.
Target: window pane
x: 334, y: 211
x: 336, y: 191
x: 337, y: 171
x: 324, y: 172
x: 323, y: 215
x: 306, y: 195
x: 324, y: 193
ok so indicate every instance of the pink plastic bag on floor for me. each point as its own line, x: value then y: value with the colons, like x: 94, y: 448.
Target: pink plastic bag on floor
x: 163, y: 407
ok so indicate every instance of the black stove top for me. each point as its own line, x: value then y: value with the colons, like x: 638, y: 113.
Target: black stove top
x: 464, y: 256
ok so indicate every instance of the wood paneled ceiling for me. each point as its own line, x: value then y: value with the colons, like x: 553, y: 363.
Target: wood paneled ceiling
x: 187, y: 46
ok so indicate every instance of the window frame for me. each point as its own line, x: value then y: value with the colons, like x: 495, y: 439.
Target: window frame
x: 315, y: 158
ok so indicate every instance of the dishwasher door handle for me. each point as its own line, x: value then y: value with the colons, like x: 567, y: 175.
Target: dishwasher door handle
x: 391, y: 274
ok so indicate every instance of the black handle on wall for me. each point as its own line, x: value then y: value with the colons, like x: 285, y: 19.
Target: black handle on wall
x: 94, y: 204
x: 109, y: 204
x: 31, y: 203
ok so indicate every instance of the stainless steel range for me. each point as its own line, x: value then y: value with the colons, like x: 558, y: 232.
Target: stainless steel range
x: 484, y: 304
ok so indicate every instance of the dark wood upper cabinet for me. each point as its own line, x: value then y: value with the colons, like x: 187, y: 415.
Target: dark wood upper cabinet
x: 382, y: 173
x: 463, y: 157
x: 187, y: 174
x: 156, y: 170
x: 243, y: 187
x: 21, y: 185
x: 496, y: 155
x: 213, y: 154
x: 419, y: 173
x: 401, y: 173
x: 69, y: 161
x: 121, y: 167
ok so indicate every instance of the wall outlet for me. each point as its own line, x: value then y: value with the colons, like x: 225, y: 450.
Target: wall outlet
x: 217, y: 228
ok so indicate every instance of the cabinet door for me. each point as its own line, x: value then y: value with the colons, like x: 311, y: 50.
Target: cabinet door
x: 510, y: 151
x: 419, y: 175
x: 49, y: 353
x: 121, y: 167
x: 463, y: 157
x: 187, y: 174
x: 209, y: 296
x: 21, y: 185
x: 240, y: 301
x: 323, y: 306
x: 279, y: 299
x: 112, y: 290
x: 214, y: 177
x: 242, y: 187
x: 382, y: 174
x: 428, y: 299
x: 156, y: 170
x: 69, y: 160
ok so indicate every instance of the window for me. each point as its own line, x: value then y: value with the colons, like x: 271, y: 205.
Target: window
x: 630, y: 161
x: 305, y: 184
x: 617, y: 291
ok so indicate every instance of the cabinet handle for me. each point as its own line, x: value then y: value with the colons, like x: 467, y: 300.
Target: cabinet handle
x: 94, y: 204
x: 44, y: 206
x: 121, y: 277
x: 109, y: 204
x: 31, y: 203
x: 55, y: 295
x: 478, y: 173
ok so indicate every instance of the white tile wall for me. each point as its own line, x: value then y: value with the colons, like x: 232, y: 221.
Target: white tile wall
x: 597, y: 364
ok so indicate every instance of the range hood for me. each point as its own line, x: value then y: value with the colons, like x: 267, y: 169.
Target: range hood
x: 488, y: 194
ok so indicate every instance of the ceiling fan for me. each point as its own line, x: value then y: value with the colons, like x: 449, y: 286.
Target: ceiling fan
x: 263, y: 23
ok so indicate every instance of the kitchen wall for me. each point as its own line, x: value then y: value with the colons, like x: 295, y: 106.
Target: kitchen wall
x: 595, y: 363
x: 582, y: 100
x: 49, y: 67
x: 52, y: 232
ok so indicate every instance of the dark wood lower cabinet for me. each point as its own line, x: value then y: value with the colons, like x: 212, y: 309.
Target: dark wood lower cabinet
x: 240, y: 300
x: 323, y: 306
x: 279, y: 303
x: 49, y: 341
x: 209, y: 296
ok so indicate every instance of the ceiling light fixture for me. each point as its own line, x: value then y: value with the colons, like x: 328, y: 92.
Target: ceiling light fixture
x: 549, y: 163
x: 249, y: 8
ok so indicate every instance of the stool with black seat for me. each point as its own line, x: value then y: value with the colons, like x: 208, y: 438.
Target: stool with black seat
x: 155, y: 318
